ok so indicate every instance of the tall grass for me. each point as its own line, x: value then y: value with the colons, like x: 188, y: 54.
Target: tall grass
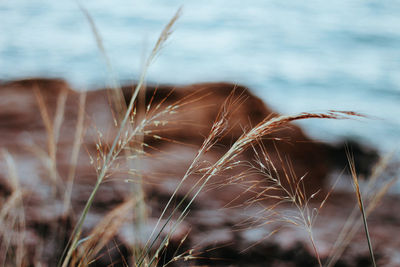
x: 53, y: 131
x: 122, y: 138
x: 12, y: 219
x: 75, y: 152
x: 128, y: 143
x: 374, y: 191
x: 227, y: 161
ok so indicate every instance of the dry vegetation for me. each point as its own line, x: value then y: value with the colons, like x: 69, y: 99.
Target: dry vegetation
x: 133, y: 122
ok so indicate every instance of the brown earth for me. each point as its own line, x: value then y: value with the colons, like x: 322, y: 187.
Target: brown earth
x: 171, y: 145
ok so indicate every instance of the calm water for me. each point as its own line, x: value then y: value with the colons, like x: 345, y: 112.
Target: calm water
x: 296, y: 55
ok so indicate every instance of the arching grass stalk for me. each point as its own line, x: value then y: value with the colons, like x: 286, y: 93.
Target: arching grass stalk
x: 245, y: 140
x: 218, y: 129
x: 122, y: 127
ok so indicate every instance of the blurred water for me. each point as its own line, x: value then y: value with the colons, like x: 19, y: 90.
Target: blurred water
x: 296, y: 55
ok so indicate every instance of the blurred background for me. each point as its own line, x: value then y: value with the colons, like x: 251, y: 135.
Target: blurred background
x: 296, y: 55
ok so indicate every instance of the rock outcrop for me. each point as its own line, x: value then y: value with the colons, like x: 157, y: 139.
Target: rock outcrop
x: 38, y: 119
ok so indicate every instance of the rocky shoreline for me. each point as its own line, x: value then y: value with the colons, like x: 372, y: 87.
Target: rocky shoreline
x: 223, y: 226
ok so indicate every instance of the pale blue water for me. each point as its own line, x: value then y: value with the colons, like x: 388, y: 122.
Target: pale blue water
x: 296, y: 55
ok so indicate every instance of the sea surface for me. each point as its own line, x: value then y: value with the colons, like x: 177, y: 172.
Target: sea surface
x: 296, y: 55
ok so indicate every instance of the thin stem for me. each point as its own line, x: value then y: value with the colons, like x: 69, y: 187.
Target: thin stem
x: 110, y: 156
x: 360, y: 204
x: 371, y: 252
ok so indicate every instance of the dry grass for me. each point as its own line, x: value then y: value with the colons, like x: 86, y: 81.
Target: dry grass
x: 360, y: 203
x: 128, y: 144
x: 374, y: 191
x: 12, y: 220
x: 123, y: 137
x: 53, y: 131
x: 103, y: 233
x: 286, y: 189
x: 75, y: 152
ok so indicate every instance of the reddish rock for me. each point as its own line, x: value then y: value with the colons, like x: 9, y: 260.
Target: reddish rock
x: 23, y: 134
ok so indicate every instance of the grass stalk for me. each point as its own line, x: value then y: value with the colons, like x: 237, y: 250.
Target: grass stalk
x: 12, y: 217
x: 75, y: 151
x: 374, y: 197
x: 51, y: 141
x: 245, y: 140
x: 122, y: 127
x: 361, y: 205
x: 103, y: 232
x: 117, y: 99
x: 117, y: 96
